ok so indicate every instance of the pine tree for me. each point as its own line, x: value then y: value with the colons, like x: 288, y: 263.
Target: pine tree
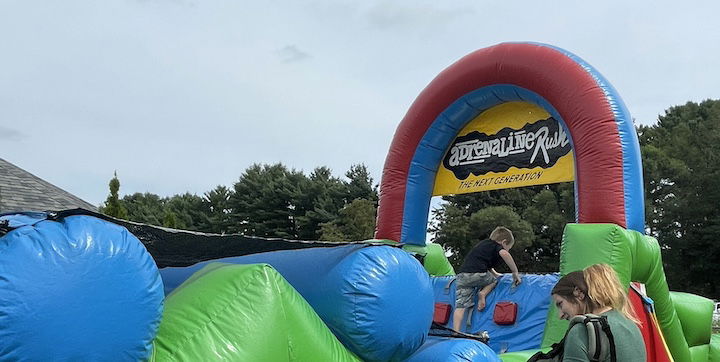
x: 113, y: 207
x: 355, y: 222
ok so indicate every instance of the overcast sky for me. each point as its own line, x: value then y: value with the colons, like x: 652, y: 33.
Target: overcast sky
x: 184, y: 95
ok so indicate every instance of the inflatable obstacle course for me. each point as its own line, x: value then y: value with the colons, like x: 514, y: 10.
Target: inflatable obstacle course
x: 79, y: 286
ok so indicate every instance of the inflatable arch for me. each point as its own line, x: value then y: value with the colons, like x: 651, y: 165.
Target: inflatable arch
x: 608, y: 171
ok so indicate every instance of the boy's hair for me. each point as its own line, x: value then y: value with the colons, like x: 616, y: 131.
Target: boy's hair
x: 502, y: 233
x: 601, y: 287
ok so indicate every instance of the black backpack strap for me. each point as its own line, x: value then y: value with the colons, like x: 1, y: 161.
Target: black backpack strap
x: 600, y: 337
x: 556, y: 349
x: 554, y: 354
x: 611, y: 338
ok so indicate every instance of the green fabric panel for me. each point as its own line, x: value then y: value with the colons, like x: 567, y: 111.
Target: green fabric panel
x: 714, y: 355
x: 242, y: 313
x: 700, y: 353
x: 635, y: 257
x: 207, y: 269
x: 520, y: 356
x: 582, y: 246
x: 695, y: 314
x: 435, y: 262
x: 588, y: 244
x: 417, y: 249
x: 649, y: 270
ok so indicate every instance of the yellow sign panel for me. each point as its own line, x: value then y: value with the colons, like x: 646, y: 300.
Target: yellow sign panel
x: 510, y: 145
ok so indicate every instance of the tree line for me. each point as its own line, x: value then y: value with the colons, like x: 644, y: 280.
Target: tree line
x: 680, y: 155
x: 268, y: 201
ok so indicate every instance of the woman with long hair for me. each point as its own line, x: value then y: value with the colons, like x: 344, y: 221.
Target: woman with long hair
x: 597, y: 290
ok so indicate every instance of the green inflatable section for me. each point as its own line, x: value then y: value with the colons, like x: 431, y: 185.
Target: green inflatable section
x: 695, y: 314
x: 520, y: 356
x: 635, y: 257
x: 242, y: 313
x: 435, y: 261
x: 714, y: 348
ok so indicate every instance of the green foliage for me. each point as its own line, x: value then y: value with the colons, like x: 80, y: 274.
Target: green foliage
x: 217, y: 206
x: 112, y: 206
x: 681, y: 164
x: 360, y: 184
x: 321, y: 199
x: 269, y: 201
x: 356, y: 222
x: 265, y: 202
x: 548, y: 213
x: 145, y: 208
x: 186, y: 211
x: 484, y: 221
x: 537, y: 216
x: 272, y: 201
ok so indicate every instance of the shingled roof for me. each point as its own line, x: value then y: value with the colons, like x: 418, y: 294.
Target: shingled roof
x: 22, y: 191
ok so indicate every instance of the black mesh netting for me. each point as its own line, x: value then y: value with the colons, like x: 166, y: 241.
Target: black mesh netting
x: 171, y: 247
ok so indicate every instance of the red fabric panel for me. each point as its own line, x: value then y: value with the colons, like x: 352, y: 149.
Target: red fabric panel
x: 654, y: 344
x: 441, y: 315
x: 565, y: 84
x: 505, y: 313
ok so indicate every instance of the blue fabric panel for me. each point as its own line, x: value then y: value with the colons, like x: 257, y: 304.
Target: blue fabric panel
x: 632, y: 162
x: 444, y: 290
x: 427, y: 157
x: 172, y: 277
x: 16, y: 220
x: 78, y: 289
x: 441, y: 349
x: 532, y: 297
x: 376, y: 299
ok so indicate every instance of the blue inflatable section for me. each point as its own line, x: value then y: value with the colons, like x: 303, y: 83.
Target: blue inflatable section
x: 532, y: 297
x: 76, y: 289
x: 443, y: 349
x: 378, y: 300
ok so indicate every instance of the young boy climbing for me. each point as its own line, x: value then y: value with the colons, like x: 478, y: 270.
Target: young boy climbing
x: 478, y: 271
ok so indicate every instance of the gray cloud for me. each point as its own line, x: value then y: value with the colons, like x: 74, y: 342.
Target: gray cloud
x: 10, y: 134
x: 292, y: 54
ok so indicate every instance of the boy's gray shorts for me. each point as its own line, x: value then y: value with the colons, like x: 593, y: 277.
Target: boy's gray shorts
x: 467, y: 284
